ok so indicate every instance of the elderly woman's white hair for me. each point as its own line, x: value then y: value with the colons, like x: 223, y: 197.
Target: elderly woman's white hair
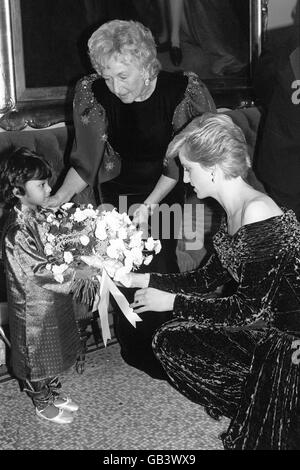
x: 128, y: 41
x: 213, y: 139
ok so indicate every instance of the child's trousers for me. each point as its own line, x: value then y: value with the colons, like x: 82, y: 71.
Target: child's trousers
x: 42, y: 392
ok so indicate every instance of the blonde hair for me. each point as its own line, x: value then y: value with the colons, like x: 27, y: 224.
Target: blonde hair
x: 213, y: 139
x: 130, y: 40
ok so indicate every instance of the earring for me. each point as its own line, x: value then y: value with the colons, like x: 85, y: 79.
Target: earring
x: 213, y: 176
x: 147, y: 82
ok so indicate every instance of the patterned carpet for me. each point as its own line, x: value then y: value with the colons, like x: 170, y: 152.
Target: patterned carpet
x: 121, y: 408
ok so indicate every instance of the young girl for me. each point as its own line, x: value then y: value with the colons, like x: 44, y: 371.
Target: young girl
x: 43, y: 332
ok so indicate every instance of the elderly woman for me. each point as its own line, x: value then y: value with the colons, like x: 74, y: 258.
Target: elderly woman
x: 236, y: 354
x: 125, y: 116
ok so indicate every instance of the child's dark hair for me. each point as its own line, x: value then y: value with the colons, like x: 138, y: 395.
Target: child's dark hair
x: 17, y: 168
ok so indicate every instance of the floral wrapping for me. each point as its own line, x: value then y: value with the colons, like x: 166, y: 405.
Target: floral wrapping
x: 77, y: 234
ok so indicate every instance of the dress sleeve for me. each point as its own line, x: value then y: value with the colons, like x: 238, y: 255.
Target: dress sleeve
x: 250, y: 303
x: 196, y: 101
x: 92, y: 156
x: 201, y: 280
x: 22, y: 253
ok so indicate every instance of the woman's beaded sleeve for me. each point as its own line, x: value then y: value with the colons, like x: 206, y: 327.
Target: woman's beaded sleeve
x: 196, y: 101
x: 92, y: 156
x: 247, y: 305
x: 201, y: 280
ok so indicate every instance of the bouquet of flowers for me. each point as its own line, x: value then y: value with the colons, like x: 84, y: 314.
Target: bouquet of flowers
x: 75, y: 232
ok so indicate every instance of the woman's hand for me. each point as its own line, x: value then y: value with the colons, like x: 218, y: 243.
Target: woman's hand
x: 53, y: 202
x: 151, y: 299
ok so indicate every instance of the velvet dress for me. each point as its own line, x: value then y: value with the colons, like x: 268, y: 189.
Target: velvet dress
x: 119, y: 150
x: 43, y: 333
x: 239, y: 355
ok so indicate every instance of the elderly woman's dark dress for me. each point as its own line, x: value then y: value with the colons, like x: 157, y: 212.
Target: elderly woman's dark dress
x: 122, y: 146
x: 237, y: 355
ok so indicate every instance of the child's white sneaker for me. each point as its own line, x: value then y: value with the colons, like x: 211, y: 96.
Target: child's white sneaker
x: 55, y: 415
x: 65, y: 403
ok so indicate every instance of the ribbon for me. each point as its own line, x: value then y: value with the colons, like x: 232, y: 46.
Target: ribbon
x: 101, y: 304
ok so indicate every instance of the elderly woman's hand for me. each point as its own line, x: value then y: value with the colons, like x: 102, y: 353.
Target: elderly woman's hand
x: 53, y: 202
x: 151, y: 299
x: 141, y: 217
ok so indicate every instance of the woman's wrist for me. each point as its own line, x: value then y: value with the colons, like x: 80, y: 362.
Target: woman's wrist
x: 146, y: 279
x: 172, y: 301
x: 140, y: 280
x: 150, y: 207
x: 73, y: 184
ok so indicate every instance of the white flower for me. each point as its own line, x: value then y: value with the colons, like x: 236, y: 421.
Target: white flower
x: 67, y: 205
x: 126, y: 219
x: 48, y: 267
x: 148, y: 260
x: 122, y: 233
x: 149, y: 244
x: 128, y: 262
x: 50, y: 218
x: 68, y: 257
x: 100, y: 231
x: 84, y: 240
x: 115, y: 248
x: 157, y: 246
x: 79, y: 215
x: 59, y: 278
x: 59, y: 268
x: 112, y: 220
x: 48, y: 249
x: 50, y: 237
x: 136, y: 239
x: 58, y: 271
x: 137, y: 256
x: 90, y: 212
